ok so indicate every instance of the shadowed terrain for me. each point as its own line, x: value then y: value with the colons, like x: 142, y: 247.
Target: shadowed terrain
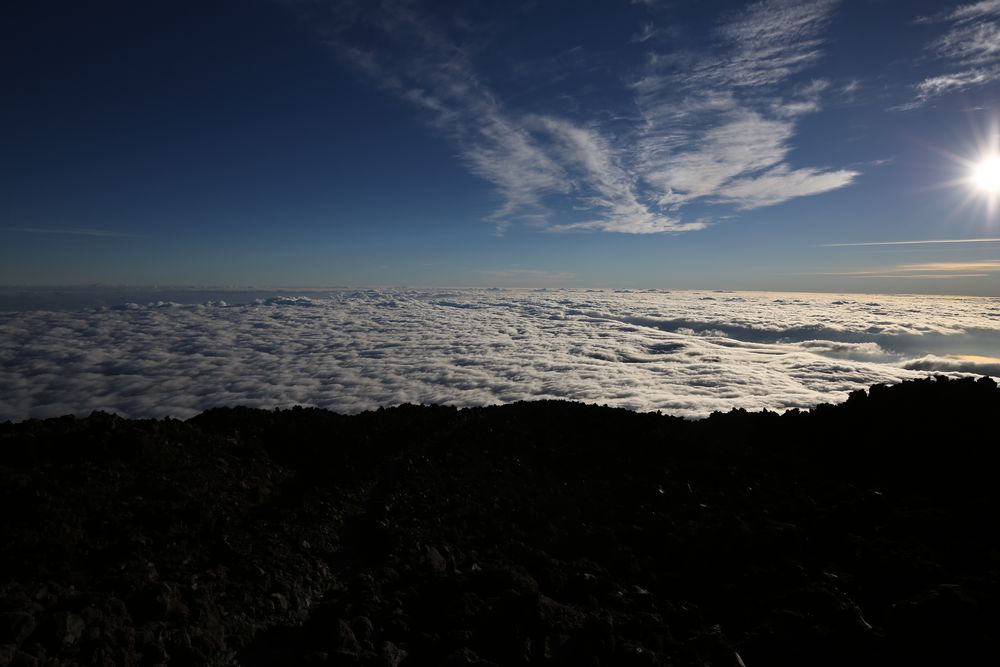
x: 531, y: 533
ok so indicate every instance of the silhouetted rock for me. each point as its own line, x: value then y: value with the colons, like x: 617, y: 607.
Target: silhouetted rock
x: 533, y: 533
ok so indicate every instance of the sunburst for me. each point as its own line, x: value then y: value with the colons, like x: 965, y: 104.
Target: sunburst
x: 976, y: 170
x: 986, y: 175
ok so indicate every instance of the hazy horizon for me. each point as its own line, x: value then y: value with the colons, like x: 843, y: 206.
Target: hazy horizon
x: 17, y: 298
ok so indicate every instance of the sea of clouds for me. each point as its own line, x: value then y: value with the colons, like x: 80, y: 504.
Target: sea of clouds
x: 683, y: 353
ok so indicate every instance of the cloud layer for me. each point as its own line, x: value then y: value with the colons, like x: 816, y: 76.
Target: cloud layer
x: 686, y: 353
x: 714, y: 127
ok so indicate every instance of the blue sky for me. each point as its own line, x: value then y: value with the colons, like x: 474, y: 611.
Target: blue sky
x: 723, y: 145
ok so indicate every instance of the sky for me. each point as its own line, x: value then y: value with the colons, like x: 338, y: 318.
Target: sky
x: 774, y: 145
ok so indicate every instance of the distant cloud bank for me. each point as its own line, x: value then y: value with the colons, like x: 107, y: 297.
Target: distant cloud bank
x: 685, y: 353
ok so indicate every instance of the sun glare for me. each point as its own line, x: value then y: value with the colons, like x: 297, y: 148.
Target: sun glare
x: 973, y: 169
x: 986, y: 174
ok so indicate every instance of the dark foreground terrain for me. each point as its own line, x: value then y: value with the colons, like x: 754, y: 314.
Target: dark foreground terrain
x: 535, y: 533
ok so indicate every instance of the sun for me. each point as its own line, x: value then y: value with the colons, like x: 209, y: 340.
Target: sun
x: 972, y: 170
x: 986, y: 174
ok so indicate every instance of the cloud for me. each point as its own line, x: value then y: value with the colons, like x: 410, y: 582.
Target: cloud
x: 969, y: 49
x: 983, y: 265
x: 869, y: 351
x: 702, y: 126
x: 942, y: 270
x: 417, y: 62
x: 956, y: 364
x: 610, y: 187
x: 685, y: 353
x: 916, y: 276
x: 528, y: 158
x: 771, y: 40
x: 718, y: 128
x: 927, y: 242
x: 647, y: 32
x: 781, y: 184
x: 977, y: 10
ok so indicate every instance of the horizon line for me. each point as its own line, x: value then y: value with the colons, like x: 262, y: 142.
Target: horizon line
x: 373, y: 286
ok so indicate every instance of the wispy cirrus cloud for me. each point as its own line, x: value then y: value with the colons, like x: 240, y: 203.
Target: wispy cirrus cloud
x: 932, y: 270
x: 719, y: 127
x: 612, y: 189
x: 647, y: 33
x: 422, y: 66
x: 969, y: 50
x: 983, y: 265
x: 927, y: 242
x: 708, y: 127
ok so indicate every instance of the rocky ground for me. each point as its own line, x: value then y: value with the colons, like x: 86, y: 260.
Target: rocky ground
x: 533, y: 533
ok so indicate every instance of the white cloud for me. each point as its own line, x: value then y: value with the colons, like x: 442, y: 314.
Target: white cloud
x: 647, y: 33
x: 436, y: 75
x: 943, y: 84
x: 955, y: 364
x: 686, y: 353
x: 771, y: 40
x: 927, y: 270
x: 970, y: 49
x: 783, y: 183
x: 711, y: 127
x: 746, y: 143
x: 861, y: 351
x: 975, y: 10
x: 977, y: 44
x: 514, y: 152
x: 983, y: 265
x: 927, y: 242
x: 609, y: 186
x: 716, y: 128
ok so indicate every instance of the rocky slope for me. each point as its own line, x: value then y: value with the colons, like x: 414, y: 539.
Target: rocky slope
x: 532, y: 533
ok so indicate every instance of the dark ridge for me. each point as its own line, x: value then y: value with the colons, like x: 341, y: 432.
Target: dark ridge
x: 532, y: 533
